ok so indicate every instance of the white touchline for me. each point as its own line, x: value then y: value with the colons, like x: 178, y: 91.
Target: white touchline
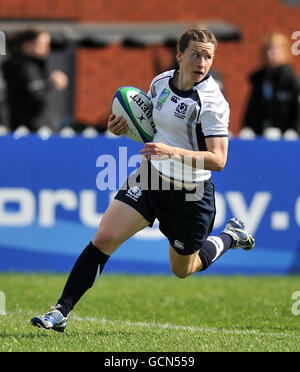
x: 185, y: 328
x: 158, y: 325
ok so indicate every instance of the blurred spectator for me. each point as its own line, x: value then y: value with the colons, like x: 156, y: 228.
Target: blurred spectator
x: 31, y: 90
x: 274, y: 101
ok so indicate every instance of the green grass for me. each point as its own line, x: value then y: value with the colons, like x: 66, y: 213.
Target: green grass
x: 155, y: 313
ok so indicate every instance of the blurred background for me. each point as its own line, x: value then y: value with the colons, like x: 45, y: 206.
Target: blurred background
x: 49, y: 204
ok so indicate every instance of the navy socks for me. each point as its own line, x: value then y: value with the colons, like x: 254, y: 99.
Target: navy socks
x: 91, y: 262
x: 213, y: 248
x: 84, y: 274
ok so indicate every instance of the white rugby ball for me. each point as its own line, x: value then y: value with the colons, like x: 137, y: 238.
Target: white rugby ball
x: 134, y: 106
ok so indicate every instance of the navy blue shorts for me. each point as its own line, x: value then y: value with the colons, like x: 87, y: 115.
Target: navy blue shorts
x: 186, y: 223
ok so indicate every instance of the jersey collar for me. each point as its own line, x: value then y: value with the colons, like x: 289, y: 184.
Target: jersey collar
x: 184, y: 93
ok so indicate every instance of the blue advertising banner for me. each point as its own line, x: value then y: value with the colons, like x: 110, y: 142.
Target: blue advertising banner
x: 54, y: 192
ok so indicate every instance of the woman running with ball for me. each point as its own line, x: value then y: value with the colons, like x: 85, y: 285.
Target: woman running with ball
x: 191, y: 119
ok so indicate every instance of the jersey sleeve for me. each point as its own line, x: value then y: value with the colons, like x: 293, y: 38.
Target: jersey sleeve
x: 214, y: 118
x: 152, y: 89
x: 152, y: 93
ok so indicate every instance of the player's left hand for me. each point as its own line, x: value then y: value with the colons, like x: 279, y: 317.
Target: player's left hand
x: 157, y: 151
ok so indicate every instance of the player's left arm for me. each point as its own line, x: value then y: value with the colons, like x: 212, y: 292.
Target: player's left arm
x: 213, y: 159
x: 216, y: 155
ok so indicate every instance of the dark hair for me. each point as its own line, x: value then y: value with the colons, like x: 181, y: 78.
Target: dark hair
x: 19, y: 38
x: 194, y: 34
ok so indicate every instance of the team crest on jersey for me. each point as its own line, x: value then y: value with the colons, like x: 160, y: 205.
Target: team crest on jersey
x: 134, y: 192
x: 162, y: 99
x: 181, y: 110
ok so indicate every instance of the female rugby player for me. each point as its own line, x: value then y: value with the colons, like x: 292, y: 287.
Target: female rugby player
x: 191, y: 118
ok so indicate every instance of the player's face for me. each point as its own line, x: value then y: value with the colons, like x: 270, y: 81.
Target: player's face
x: 195, y: 62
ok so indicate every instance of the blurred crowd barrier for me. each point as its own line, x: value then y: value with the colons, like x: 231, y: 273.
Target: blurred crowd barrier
x: 55, y: 189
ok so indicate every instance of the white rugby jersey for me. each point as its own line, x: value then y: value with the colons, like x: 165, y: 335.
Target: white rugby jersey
x: 184, y: 119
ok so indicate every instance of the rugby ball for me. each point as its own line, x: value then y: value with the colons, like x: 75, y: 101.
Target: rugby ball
x: 134, y: 106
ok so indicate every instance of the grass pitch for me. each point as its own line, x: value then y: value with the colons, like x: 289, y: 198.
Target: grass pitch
x: 155, y: 314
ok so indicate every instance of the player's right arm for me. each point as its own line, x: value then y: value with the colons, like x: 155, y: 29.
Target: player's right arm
x: 117, y: 125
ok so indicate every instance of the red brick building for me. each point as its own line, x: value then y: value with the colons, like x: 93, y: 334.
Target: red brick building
x: 99, y: 72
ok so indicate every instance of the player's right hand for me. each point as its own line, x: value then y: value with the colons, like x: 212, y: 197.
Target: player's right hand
x: 117, y: 125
